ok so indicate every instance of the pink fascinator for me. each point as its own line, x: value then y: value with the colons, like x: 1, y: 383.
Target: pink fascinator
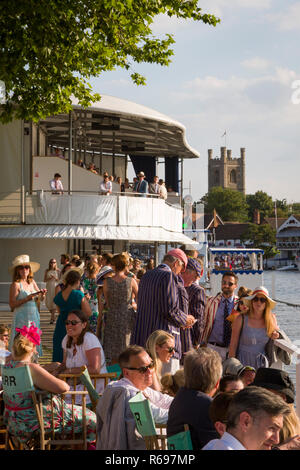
x: 32, y: 333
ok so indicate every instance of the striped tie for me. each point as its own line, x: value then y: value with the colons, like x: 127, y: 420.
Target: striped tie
x: 227, y: 326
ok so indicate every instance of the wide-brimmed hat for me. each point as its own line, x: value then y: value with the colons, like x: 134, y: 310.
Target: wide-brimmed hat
x: 277, y: 380
x: 178, y: 253
x: 259, y: 291
x: 103, y: 272
x: 233, y: 366
x: 79, y: 270
x: 22, y: 260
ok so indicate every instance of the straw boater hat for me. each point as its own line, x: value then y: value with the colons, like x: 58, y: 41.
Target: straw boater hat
x: 22, y: 260
x: 259, y: 291
x: 141, y: 173
x: 79, y: 270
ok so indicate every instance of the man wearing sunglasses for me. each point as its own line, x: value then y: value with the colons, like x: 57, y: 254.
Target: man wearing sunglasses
x: 217, y: 329
x: 115, y: 423
x: 159, y: 304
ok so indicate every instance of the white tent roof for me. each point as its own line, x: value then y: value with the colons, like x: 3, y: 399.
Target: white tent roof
x: 143, y: 234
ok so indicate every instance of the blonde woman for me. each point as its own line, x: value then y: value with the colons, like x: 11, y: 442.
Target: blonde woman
x: 161, y: 347
x: 251, y: 331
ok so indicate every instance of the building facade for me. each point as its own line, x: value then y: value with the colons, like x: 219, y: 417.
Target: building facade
x: 226, y: 171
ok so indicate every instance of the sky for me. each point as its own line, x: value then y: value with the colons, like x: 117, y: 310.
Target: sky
x: 242, y: 77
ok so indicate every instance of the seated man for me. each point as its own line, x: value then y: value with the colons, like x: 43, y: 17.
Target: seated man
x: 115, y: 423
x: 202, y: 373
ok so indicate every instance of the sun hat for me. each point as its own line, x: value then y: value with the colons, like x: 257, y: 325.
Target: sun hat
x: 105, y: 270
x: 259, y: 290
x: 233, y: 366
x: 277, y: 380
x: 177, y: 253
x: 24, y: 260
x: 195, y: 265
x: 77, y: 269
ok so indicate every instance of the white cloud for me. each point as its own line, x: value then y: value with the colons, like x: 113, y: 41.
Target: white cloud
x: 256, y: 63
x: 288, y: 20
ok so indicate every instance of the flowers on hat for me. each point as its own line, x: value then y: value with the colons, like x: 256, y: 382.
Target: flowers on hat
x: 32, y: 333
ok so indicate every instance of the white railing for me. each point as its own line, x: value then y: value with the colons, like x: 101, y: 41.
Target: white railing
x: 293, y: 349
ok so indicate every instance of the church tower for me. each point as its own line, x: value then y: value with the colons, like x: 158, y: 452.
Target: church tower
x: 226, y: 171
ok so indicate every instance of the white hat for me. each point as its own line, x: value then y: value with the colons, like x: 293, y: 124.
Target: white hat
x: 262, y: 291
x: 141, y: 173
x: 23, y: 260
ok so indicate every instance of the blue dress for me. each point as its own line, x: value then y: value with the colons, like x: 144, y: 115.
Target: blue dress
x: 252, y: 346
x: 65, y: 306
x: 25, y: 315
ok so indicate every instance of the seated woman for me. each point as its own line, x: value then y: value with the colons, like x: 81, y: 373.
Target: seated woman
x: 19, y: 413
x: 82, y: 348
x: 4, y: 335
x: 161, y: 347
x: 171, y: 383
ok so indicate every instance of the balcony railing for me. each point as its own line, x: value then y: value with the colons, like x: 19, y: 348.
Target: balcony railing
x: 89, y: 208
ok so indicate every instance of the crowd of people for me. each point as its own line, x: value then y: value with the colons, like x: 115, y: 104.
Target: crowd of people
x: 201, y: 361
x: 139, y: 185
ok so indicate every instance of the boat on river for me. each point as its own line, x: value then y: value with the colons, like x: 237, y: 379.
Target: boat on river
x: 247, y: 263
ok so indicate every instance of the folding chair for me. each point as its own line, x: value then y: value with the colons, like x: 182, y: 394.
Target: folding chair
x: 144, y: 421
x: 89, y: 382
x: 115, y: 368
x: 181, y: 441
x: 19, y: 380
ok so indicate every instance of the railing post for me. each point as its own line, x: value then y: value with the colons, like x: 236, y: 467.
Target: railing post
x: 298, y: 384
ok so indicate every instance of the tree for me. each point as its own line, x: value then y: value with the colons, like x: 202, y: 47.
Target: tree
x: 49, y: 49
x: 262, y: 236
x: 229, y: 204
x: 261, y: 201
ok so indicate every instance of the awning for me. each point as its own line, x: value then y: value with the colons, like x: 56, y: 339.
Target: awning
x: 134, y: 234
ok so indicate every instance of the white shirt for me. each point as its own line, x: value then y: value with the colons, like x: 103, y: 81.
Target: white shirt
x: 227, y: 442
x: 56, y: 185
x: 90, y: 341
x: 159, y: 402
x: 106, y: 187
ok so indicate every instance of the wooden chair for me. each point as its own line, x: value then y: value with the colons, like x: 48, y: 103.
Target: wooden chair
x: 181, y: 441
x: 89, y: 382
x: 19, y: 380
x: 144, y: 421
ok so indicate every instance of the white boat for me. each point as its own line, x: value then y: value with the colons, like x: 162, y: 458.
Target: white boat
x: 247, y: 263
x: 289, y: 267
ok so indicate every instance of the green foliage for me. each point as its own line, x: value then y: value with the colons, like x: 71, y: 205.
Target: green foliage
x: 229, y: 204
x: 261, y: 201
x: 49, y: 49
x: 262, y: 236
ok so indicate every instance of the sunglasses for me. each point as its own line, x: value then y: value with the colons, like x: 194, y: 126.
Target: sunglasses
x: 170, y: 350
x: 142, y: 370
x: 24, y: 267
x: 72, y: 322
x: 241, y: 302
x: 224, y: 283
x: 263, y: 300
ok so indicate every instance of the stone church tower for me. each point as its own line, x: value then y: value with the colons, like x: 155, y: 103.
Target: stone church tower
x: 226, y: 171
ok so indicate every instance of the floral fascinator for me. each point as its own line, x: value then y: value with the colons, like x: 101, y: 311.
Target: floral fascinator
x: 32, y: 333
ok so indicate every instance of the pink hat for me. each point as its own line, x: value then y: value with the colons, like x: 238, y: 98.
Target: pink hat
x: 177, y: 253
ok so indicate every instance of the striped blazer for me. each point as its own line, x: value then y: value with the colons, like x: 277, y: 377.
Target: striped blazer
x: 197, y: 303
x: 158, y: 307
x: 210, y: 311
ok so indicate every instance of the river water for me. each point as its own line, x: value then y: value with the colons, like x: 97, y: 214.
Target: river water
x: 284, y: 286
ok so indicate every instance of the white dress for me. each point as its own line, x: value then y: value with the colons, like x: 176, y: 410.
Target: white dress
x: 50, y: 286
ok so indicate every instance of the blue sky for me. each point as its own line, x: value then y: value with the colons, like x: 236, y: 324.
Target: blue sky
x: 236, y: 77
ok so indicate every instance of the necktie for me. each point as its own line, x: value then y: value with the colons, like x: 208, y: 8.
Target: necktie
x: 227, y: 325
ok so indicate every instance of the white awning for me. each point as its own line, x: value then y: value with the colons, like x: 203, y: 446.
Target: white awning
x: 134, y: 234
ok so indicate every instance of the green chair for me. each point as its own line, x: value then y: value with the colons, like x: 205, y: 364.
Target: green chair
x: 19, y: 380
x: 115, y: 368
x: 181, y: 441
x: 144, y: 421
x: 85, y: 379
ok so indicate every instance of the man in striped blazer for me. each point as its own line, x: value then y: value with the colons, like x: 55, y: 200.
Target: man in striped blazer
x: 158, y: 303
x: 190, y: 338
x: 217, y: 330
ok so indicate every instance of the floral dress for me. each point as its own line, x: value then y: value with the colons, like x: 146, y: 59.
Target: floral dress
x: 20, y: 418
x: 90, y: 286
